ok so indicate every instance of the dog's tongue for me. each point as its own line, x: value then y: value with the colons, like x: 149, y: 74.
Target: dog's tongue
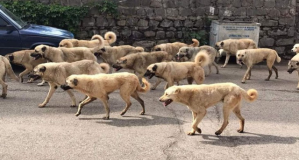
x: 115, y: 69
x: 165, y: 104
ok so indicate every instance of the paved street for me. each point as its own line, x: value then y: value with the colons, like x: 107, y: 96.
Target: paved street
x: 54, y: 132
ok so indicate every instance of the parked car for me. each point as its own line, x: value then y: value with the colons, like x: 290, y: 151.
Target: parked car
x: 15, y: 34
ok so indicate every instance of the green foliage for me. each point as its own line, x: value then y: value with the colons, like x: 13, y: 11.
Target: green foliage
x: 202, y: 36
x: 65, y: 17
x: 108, y: 7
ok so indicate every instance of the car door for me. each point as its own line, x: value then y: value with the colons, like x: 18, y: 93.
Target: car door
x: 10, y: 39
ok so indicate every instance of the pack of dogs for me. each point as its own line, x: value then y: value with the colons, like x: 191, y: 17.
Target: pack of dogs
x: 74, y: 66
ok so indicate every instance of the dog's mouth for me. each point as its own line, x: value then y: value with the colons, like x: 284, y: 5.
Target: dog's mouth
x: 240, y: 61
x: 167, y: 102
x: 149, y: 74
x: 65, y: 87
x: 36, y: 55
x: 116, y: 67
x: 97, y: 54
x: 35, y: 77
x: 291, y: 70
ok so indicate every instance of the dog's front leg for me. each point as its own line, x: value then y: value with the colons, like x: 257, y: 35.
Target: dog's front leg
x: 83, y: 103
x: 105, y: 102
x: 52, y: 89
x: 4, y: 88
x: 72, y: 97
x: 158, y: 81
x: 24, y: 73
x: 197, y: 117
x: 226, y: 60
x: 246, y: 74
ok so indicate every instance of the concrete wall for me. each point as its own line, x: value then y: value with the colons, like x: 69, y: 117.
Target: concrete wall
x: 148, y: 22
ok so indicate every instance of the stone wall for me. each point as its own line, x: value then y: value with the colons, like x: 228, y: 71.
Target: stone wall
x: 149, y: 22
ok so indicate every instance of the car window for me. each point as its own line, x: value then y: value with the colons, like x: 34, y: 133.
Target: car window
x: 3, y: 23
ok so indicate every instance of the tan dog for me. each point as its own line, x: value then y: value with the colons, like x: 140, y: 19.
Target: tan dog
x: 23, y: 58
x: 97, y: 41
x: 249, y: 57
x: 177, y: 71
x: 111, y: 54
x: 296, y: 48
x: 139, y: 62
x: 294, y: 65
x: 56, y: 73
x: 63, y: 54
x: 5, y: 67
x: 173, y: 48
x: 101, y: 85
x: 200, y: 97
x: 189, y: 54
x: 110, y: 38
x: 231, y: 46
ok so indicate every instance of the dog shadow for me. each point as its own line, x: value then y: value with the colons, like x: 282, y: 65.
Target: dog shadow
x: 142, y: 120
x: 253, y: 139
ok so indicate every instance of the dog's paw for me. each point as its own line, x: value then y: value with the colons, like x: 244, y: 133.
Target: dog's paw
x: 223, y: 66
x: 198, y: 130
x: 191, y: 133
x: 152, y: 88
x: 240, y: 131
x: 73, y: 106
x: 78, y: 113
x: 218, y: 133
x: 142, y: 113
x: 243, y: 82
x: 106, y: 118
x: 123, y: 113
x: 276, y: 77
x: 267, y: 79
x: 40, y: 84
x: 3, y: 96
x: 41, y: 105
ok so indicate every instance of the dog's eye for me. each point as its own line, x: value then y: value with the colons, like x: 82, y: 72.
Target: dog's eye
x: 242, y: 55
x: 291, y: 65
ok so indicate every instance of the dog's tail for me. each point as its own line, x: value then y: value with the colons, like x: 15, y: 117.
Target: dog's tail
x: 139, y: 49
x: 68, y: 44
x: 195, y: 43
x: 9, y: 70
x: 105, y: 67
x: 221, y: 52
x: 110, y: 37
x: 278, y: 59
x: 202, y: 58
x: 146, y: 87
x: 99, y: 38
x: 250, y: 95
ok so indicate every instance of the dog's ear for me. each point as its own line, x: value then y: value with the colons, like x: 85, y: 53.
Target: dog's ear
x: 43, y: 69
x: 44, y: 48
x: 158, y: 49
x: 75, y: 82
x: 125, y: 61
x: 155, y: 68
x: 221, y: 44
x: 178, y: 90
x: 297, y: 63
x: 103, y: 49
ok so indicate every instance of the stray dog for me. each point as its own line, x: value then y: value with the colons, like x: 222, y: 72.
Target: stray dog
x: 111, y: 54
x: 173, y: 48
x: 63, y: 54
x: 139, y: 62
x: 249, y: 57
x: 56, y: 73
x: 190, y: 52
x: 97, y: 41
x: 23, y: 58
x: 231, y: 46
x: 101, y: 85
x: 110, y: 38
x: 177, y: 71
x: 199, y: 97
x: 5, y: 67
x: 294, y: 65
x: 296, y: 48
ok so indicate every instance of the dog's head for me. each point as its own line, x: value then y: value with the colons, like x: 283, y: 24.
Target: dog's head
x: 38, y: 71
x: 70, y: 83
x: 292, y: 66
x: 241, y: 55
x: 100, y: 52
x: 171, y: 94
x: 151, y: 71
x: 66, y: 43
x: 39, y: 51
x: 295, y: 48
x: 183, y: 52
x: 10, y: 57
x: 120, y: 64
x: 219, y: 45
x: 160, y: 47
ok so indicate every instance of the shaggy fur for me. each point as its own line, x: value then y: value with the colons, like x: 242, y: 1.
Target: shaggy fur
x: 23, y: 58
x: 5, y: 68
x: 177, y: 71
x: 70, y: 43
x: 200, y: 97
x: 110, y: 38
x: 173, y: 48
x: 231, y: 46
x: 249, y: 57
x: 101, y: 85
x: 294, y: 66
x: 56, y: 73
x: 189, y: 54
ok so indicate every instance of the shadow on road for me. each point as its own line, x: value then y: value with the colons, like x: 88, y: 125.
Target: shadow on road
x: 252, y: 139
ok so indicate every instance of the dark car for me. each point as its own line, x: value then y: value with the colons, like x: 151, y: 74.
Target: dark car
x: 15, y: 34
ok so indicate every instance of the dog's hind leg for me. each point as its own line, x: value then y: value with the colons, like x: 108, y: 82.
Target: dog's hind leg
x: 216, y: 66
x: 106, y: 106
x: 72, y: 97
x: 190, y: 80
x: 50, y: 93
x: 126, y: 98
x: 237, y: 112
x: 83, y: 103
x: 270, y: 74
x: 276, y: 72
x: 136, y: 96
x: 4, y: 88
x: 197, y: 117
x: 26, y: 71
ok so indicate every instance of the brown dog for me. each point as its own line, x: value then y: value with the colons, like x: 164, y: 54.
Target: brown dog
x: 200, y: 97
x: 101, y: 85
x: 56, y: 73
x: 110, y: 38
x: 173, y: 48
x: 177, y: 71
x: 249, y: 57
x: 23, y: 58
x: 231, y: 46
x: 5, y: 67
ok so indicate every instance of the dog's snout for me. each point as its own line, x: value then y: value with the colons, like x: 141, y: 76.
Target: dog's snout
x: 11, y: 58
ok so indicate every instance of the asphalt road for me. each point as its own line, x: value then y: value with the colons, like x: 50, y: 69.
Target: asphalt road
x: 54, y: 132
